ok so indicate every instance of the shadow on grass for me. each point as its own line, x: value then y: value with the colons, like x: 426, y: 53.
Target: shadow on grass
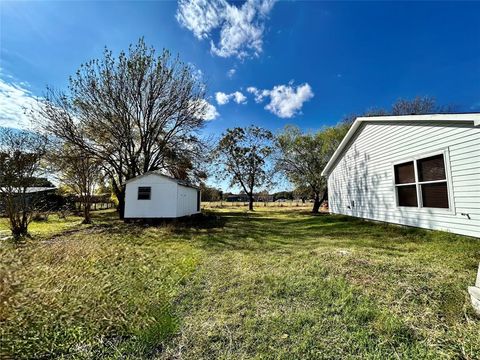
x: 282, y: 231
x: 109, y: 224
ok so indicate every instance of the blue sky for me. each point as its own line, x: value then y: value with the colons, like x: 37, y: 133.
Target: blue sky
x: 306, y: 63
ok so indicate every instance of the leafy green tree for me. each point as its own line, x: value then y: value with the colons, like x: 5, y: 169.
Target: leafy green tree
x: 288, y: 195
x: 303, y: 156
x: 243, y: 156
x: 303, y: 192
x: 210, y: 193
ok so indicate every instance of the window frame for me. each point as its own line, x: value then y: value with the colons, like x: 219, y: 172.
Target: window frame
x: 138, y: 193
x: 448, y: 180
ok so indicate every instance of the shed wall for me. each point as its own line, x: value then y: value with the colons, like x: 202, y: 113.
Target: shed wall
x: 163, y: 202
x: 363, y: 176
x: 186, y: 201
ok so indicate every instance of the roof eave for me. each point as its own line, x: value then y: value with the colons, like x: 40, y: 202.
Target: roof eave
x: 468, y: 117
x: 178, y: 182
x: 346, y: 138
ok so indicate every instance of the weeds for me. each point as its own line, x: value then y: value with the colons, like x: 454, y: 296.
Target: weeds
x: 276, y: 283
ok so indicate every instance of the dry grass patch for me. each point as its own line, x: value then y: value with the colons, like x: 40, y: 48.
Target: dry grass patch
x: 275, y: 283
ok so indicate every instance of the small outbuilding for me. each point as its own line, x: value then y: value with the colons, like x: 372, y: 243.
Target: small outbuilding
x: 157, y: 196
x: 416, y: 170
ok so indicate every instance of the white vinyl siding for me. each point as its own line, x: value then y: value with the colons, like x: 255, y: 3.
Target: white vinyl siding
x: 363, y: 174
x: 186, y: 201
x: 168, y: 198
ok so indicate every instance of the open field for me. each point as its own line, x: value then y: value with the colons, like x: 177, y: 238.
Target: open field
x: 289, y: 204
x: 275, y: 283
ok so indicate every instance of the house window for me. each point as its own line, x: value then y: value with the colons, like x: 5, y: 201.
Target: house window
x: 144, y: 192
x: 422, y: 183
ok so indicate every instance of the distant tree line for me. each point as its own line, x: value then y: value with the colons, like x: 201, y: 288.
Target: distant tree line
x: 210, y: 193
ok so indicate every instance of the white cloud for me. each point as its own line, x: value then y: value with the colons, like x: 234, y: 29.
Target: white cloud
x: 259, y: 94
x: 221, y: 98
x: 200, y: 16
x: 15, y: 100
x: 205, y: 110
x: 239, y: 98
x: 286, y: 101
x: 231, y: 73
x: 236, y: 96
x: 240, y: 28
x: 197, y: 74
x: 211, y: 113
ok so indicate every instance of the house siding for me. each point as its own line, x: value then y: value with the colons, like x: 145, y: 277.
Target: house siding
x: 364, y: 174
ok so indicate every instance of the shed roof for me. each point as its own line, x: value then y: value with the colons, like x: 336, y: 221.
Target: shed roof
x: 178, y: 181
x: 30, y: 189
x: 441, y: 118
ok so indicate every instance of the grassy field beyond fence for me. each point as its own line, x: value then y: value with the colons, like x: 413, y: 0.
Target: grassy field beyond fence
x: 274, y: 283
x: 293, y: 204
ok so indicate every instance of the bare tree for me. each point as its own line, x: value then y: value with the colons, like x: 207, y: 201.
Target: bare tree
x: 243, y: 156
x: 79, y: 172
x: 20, y: 157
x: 134, y: 113
x: 419, y: 105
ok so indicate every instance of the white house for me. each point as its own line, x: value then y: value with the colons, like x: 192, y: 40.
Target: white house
x: 416, y: 170
x: 155, y: 196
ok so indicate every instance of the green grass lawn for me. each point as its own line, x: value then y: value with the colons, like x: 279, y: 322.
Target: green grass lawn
x: 276, y: 283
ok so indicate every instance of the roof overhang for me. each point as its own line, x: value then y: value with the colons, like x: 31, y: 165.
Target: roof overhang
x: 445, y: 118
x: 156, y: 173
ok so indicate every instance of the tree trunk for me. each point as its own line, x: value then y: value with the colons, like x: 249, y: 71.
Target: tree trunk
x: 250, y: 202
x: 324, y: 196
x: 87, y: 219
x: 16, y: 216
x: 121, y: 202
x: 19, y: 230
x: 316, y: 203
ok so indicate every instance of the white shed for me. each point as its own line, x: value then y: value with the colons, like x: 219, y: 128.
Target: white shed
x: 157, y: 196
x: 416, y: 170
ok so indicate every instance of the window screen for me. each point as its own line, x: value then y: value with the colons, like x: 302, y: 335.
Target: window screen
x: 431, y: 168
x: 435, y: 195
x: 404, y: 173
x: 428, y: 189
x: 407, y: 195
x: 144, y: 192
